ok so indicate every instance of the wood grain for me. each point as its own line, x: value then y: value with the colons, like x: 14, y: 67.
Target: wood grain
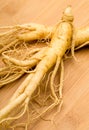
x: 75, y: 111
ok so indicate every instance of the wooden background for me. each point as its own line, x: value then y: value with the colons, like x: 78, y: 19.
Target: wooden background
x: 75, y: 111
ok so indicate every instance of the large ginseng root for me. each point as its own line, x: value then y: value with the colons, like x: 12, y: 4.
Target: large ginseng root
x: 60, y: 42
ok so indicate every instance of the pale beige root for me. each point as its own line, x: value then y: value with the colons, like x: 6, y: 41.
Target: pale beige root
x: 11, y: 106
x: 73, y: 44
x: 80, y: 39
x: 82, y: 36
x: 41, y: 32
x: 18, y: 116
x: 22, y: 87
x: 59, y: 87
x: 61, y: 79
x: 28, y: 26
x: 32, y: 61
x: 52, y: 80
x: 60, y: 42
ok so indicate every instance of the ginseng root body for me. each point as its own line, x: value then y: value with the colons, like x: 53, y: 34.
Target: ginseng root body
x: 60, y: 42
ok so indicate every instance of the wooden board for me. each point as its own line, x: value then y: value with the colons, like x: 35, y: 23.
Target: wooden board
x: 75, y: 111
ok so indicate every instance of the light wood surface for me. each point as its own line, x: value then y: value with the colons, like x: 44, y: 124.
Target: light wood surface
x: 75, y: 111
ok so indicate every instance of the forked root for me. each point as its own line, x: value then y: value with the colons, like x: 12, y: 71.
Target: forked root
x: 60, y: 42
x: 19, y: 95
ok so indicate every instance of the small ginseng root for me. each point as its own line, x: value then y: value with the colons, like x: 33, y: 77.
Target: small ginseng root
x: 22, y: 99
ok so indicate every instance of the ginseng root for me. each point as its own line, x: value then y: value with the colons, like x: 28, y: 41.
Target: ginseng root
x: 60, y: 42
